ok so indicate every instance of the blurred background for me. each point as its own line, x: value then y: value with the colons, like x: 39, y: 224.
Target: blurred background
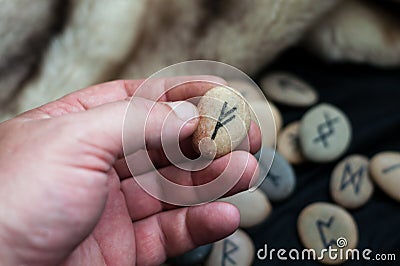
x: 51, y: 47
x: 347, y: 50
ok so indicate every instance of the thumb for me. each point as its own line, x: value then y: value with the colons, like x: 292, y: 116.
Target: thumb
x: 125, y: 126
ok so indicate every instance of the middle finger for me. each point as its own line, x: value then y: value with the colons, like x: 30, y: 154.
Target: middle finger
x: 141, y: 204
x: 144, y: 161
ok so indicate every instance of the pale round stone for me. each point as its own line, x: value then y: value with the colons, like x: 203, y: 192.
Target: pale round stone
x: 350, y: 184
x: 260, y: 110
x: 325, y: 133
x: 249, y: 90
x: 280, y: 181
x: 194, y: 257
x: 288, y: 89
x: 323, y: 225
x: 269, y: 120
x: 224, y: 122
x: 254, y: 207
x: 385, y: 171
x: 237, y: 249
x: 288, y: 143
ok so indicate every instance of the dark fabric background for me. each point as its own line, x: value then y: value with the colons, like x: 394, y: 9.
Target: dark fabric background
x: 370, y: 97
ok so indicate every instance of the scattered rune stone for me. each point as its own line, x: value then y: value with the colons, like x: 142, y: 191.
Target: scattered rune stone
x: 324, y: 225
x: 325, y: 133
x: 254, y: 207
x: 385, y: 171
x: 236, y: 249
x: 249, y: 90
x: 194, y: 257
x: 269, y: 119
x: 280, y: 181
x: 288, y: 89
x: 289, y: 143
x: 350, y: 184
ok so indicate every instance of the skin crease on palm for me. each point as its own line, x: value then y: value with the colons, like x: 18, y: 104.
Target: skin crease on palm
x: 68, y: 198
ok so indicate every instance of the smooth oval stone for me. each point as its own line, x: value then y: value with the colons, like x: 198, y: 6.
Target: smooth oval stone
x: 350, y: 183
x: 322, y: 225
x: 194, y: 257
x: 288, y: 89
x: 237, y: 249
x: 224, y: 122
x: 280, y: 181
x: 385, y: 171
x: 325, y: 133
x: 254, y: 207
x: 250, y: 91
x: 268, y: 120
x: 289, y: 143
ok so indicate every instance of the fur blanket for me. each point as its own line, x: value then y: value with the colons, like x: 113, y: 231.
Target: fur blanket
x: 49, y: 48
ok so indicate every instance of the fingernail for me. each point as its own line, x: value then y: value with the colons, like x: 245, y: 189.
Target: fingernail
x: 184, y: 110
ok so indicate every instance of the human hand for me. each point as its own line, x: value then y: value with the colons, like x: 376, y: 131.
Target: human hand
x: 67, y: 196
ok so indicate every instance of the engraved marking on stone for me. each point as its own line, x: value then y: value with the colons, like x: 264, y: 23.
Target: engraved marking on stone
x: 350, y: 177
x: 222, y: 116
x: 229, y: 247
x: 326, y: 129
x: 391, y: 168
x: 321, y: 225
x: 286, y: 84
x: 294, y: 138
x: 274, y: 178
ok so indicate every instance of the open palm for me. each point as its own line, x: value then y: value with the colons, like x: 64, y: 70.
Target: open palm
x: 69, y: 198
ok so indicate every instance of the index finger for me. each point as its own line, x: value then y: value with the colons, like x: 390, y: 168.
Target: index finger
x: 165, y: 89
x: 153, y: 89
x: 176, y: 88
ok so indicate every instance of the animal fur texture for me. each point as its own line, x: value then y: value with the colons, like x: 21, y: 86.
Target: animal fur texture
x: 359, y: 32
x: 23, y: 33
x: 51, y: 48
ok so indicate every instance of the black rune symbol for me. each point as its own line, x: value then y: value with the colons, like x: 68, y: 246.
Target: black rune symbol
x: 222, y: 116
x: 320, y: 226
x: 295, y: 140
x: 274, y: 178
x: 228, y: 248
x: 286, y: 83
x: 349, y: 177
x: 391, y: 168
x: 326, y: 129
